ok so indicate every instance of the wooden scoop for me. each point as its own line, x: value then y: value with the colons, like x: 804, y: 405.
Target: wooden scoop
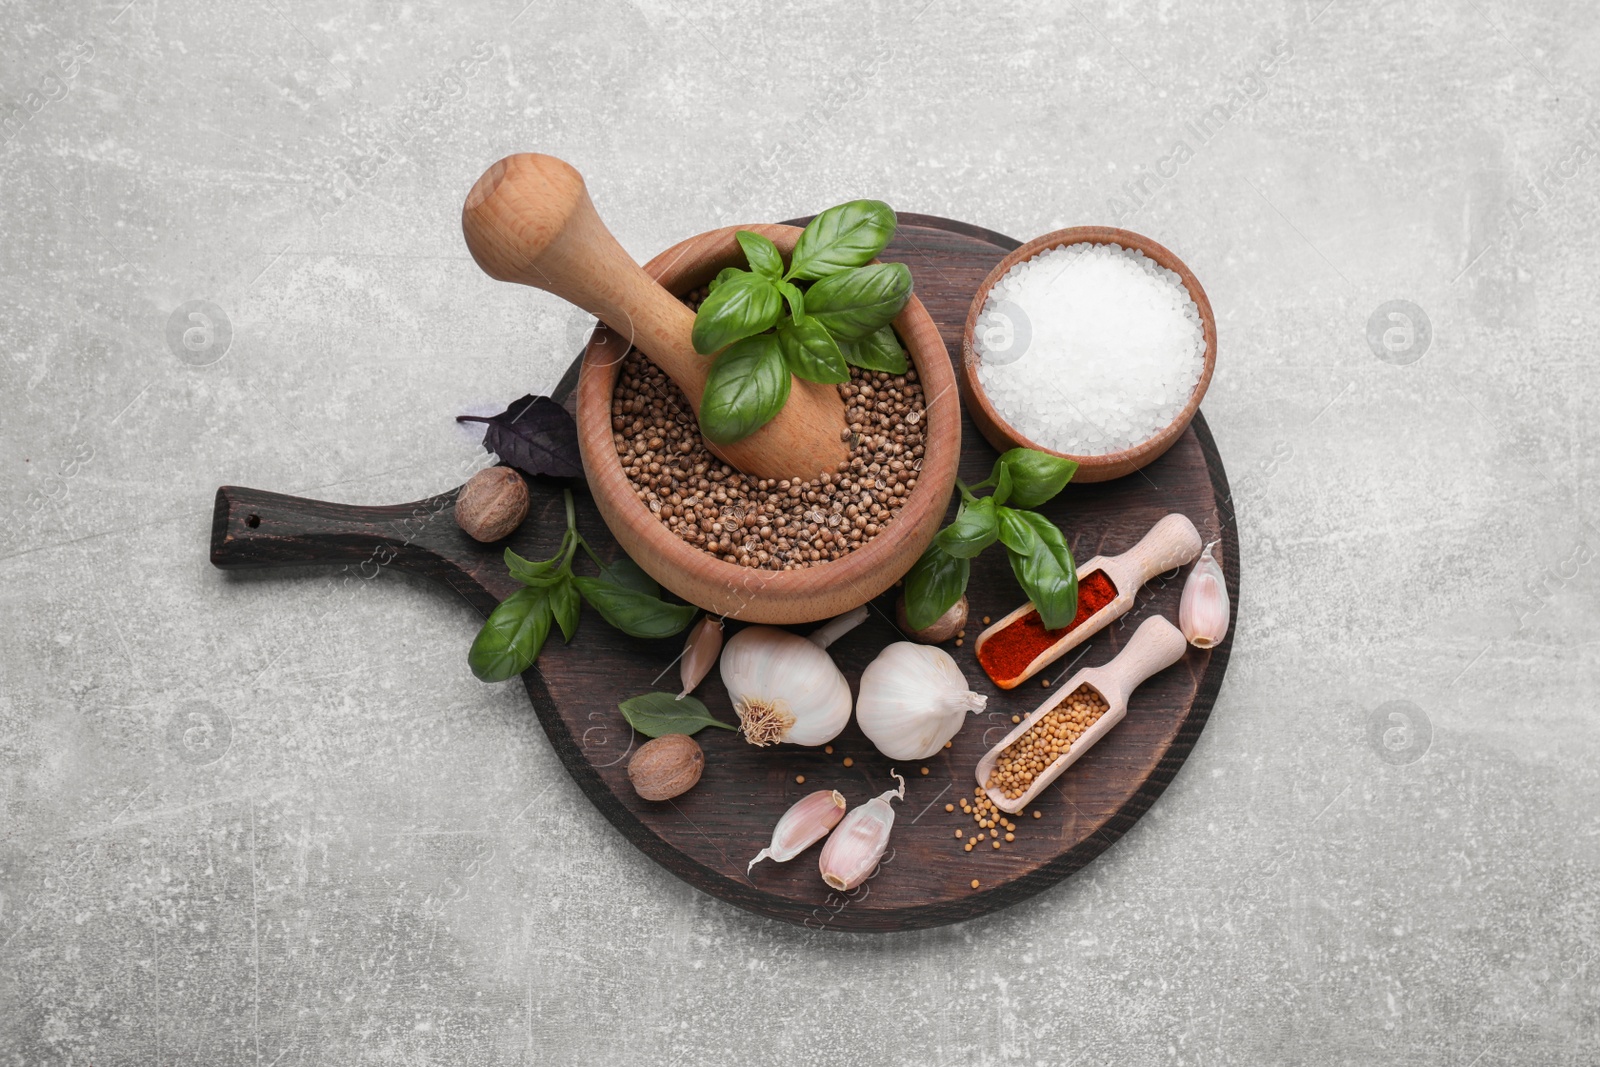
x: 1171, y: 542
x: 1155, y: 646
x: 529, y: 219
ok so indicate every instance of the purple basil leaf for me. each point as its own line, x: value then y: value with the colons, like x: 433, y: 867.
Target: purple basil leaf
x: 535, y: 435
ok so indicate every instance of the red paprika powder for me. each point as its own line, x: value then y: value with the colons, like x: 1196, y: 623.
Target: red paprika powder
x: 1007, y: 654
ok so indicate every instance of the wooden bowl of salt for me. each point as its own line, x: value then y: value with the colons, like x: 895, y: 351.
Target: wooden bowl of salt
x: 1008, y: 357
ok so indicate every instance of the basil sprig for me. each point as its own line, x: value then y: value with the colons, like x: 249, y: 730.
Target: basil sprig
x: 623, y: 594
x: 842, y: 320
x: 1040, y: 558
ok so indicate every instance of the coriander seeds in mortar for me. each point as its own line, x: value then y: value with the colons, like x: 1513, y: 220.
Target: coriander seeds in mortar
x: 773, y: 524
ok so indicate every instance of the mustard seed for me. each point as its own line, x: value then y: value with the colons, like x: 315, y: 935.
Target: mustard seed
x: 974, y: 883
x: 949, y: 807
x: 848, y: 762
x: 800, y: 779
x: 924, y: 770
x: 1046, y: 741
x: 1011, y: 837
x: 996, y: 843
x: 958, y: 833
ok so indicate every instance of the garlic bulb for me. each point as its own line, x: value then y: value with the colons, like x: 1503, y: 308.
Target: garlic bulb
x: 1204, y: 610
x: 700, y: 651
x: 913, y: 699
x: 786, y: 688
x: 852, y: 853
x: 803, y: 825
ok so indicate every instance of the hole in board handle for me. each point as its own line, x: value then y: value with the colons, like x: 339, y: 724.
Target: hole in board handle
x: 252, y: 520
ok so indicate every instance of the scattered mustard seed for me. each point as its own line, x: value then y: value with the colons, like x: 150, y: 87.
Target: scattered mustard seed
x: 1011, y: 837
x: 974, y: 883
x: 848, y: 762
x: 997, y: 843
x: 800, y: 779
x: 1016, y: 718
x: 986, y: 620
x: 924, y: 770
x: 1037, y: 814
x: 958, y: 833
x: 1046, y: 683
x: 828, y: 749
x: 949, y: 807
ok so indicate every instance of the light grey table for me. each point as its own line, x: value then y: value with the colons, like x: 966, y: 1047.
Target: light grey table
x: 276, y: 821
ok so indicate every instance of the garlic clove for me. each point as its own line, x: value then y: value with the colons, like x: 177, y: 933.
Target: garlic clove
x: 700, y: 652
x: 1204, y: 611
x: 913, y: 698
x: 858, y: 842
x: 806, y: 822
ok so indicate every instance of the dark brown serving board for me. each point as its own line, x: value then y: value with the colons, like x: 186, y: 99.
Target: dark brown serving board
x: 708, y: 835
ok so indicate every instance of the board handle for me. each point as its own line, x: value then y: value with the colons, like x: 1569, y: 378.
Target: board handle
x: 252, y: 529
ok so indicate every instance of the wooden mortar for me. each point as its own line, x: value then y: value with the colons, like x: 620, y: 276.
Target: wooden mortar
x: 821, y: 590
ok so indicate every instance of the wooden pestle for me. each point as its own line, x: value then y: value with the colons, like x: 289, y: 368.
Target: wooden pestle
x: 529, y: 219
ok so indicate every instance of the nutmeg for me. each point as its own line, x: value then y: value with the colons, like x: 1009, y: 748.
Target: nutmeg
x: 666, y: 767
x: 942, y: 629
x: 492, y: 504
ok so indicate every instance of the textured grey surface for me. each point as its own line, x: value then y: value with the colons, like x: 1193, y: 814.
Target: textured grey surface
x: 277, y: 821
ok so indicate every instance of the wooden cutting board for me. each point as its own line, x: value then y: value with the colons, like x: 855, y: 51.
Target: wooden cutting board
x: 707, y: 836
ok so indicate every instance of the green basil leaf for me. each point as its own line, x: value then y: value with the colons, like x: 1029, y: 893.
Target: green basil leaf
x: 1017, y: 531
x: 747, y: 386
x: 723, y: 275
x: 511, y: 638
x: 1035, y: 476
x: 764, y: 257
x: 855, y: 303
x: 628, y: 574
x: 659, y: 714
x: 975, y: 529
x: 879, y: 350
x: 797, y: 300
x: 527, y: 571
x: 1046, y: 571
x: 842, y: 237
x: 811, y: 352
x: 740, y: 307
x: 933, y: 585
x: 1002, y: 483
x: 633, y: 612
x: 564, y: 605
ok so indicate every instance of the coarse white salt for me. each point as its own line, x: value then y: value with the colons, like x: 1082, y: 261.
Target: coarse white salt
x: 1089, y: 349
